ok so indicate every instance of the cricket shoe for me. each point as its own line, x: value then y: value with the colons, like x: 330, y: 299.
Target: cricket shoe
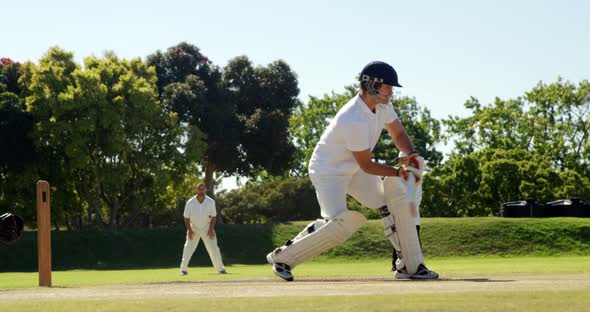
x: 183, y: 273
x: 402, y: 274
x: 423, y: 273
x: 283, y: 271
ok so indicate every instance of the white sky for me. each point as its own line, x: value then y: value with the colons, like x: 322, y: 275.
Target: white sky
x: 443, y: 51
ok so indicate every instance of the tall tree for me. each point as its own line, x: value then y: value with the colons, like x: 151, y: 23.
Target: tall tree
x: 559, y: 120
x: 17, y: 159
x: 551, y: 120
x: 190, y: 85
x: 264, y: 98
x: 242, y: 110
x: 104, y: 127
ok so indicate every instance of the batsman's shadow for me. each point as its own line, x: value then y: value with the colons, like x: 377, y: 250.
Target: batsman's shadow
x: 475, y: 280
x: 337, y: 280
x: 389, y: 280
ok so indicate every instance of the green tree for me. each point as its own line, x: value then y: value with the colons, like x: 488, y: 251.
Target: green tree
x: 559, y: 120
x: 103, y: 126
x: 551, y: 120
x: 10, y: 72
x: 242, y: 110
x: 18, y: 157
x: 280, y: 200
x: 476, y: 184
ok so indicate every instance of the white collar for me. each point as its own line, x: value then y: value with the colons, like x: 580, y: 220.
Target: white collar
x: 365, y: 107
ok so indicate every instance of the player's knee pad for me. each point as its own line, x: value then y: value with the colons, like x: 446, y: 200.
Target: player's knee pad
x: 329, y: 235
x: 389, y: 227
x: 400, y: 226
x: 310, y: 228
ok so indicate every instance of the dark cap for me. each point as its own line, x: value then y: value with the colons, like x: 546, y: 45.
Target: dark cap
x: 380, y: 72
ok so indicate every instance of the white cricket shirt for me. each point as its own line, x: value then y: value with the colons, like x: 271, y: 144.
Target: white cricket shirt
x: 354, y: 128
x: 200, y: 214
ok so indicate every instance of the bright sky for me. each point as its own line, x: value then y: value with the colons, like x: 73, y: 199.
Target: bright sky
x: 443, y: 51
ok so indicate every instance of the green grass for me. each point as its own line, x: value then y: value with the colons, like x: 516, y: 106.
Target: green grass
x: 500, y: 300
x: 503, y: 301
x: 249, y: 243
x: 521, y: 301
x: 449, y: 267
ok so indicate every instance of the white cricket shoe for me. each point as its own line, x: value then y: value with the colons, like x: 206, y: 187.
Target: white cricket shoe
x: 279, y: 269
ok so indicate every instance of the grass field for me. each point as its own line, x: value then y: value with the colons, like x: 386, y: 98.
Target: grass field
x: 486, y: 264
x: 249, y: 243
x: 466, y: 284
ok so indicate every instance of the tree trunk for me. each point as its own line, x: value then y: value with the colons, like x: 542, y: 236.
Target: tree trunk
x: 95, y: 204
x: 93, y: 200
x: 209, y: 183
x: 69, y: 223
x: 209, y: 172
x: 114, y: 211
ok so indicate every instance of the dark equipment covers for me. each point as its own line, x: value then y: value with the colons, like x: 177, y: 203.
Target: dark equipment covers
x: 11, y: 228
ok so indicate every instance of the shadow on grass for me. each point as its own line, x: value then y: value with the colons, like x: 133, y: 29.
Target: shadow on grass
x: 335, y: 280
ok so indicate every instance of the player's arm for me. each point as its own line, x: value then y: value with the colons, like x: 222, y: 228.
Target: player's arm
x: 211, y: 231
x: 363, y: 158
x: 400, y: 137
x: 189, y: 229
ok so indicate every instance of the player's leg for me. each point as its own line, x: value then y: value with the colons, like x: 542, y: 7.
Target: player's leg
x: 310, y: 228
x: 189, y: 248
x: 214, y: 252
x: 418, y: 200
x: 394, y: 252
x: 367, y: 189
x: 337, y: 226
x: 332, y: 234
x: 400, y: 229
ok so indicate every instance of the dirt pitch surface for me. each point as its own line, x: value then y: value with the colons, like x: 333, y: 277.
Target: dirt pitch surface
x: 307, y: 287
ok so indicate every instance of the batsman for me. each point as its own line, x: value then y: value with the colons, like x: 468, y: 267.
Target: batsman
x: 341, y: 164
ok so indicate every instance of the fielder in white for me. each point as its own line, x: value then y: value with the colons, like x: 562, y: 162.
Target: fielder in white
x: 341, y: 164
x: 199, y: 218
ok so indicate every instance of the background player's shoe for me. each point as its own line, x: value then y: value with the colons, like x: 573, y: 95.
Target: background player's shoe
x: 183, y: 273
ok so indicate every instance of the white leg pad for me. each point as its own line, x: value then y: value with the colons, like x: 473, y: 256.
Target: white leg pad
x: 402, y: 232
x: 330, y: 235
x: 310, y: 228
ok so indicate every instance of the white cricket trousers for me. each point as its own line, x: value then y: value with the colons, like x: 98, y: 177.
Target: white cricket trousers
x: 331, y: 192
x: 210, y: 244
